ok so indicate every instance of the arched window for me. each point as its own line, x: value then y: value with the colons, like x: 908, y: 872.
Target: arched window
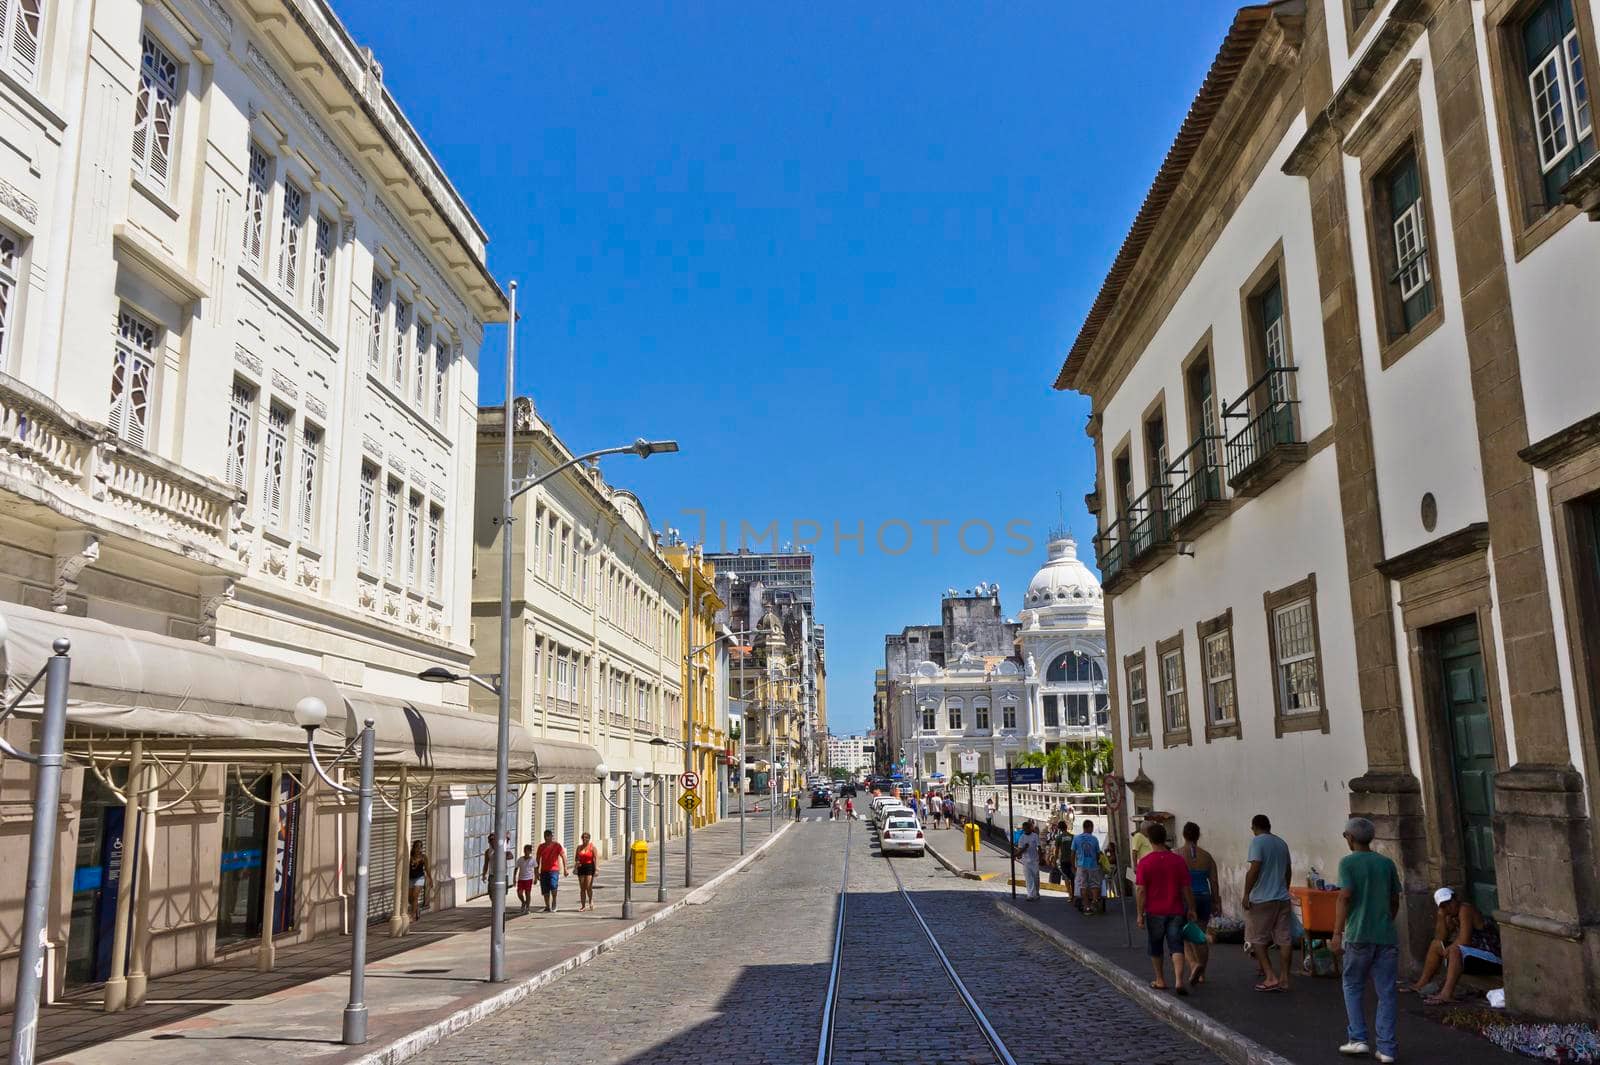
x: 1074, y: 667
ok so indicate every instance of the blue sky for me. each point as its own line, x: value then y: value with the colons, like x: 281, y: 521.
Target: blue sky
x: 837, y: 251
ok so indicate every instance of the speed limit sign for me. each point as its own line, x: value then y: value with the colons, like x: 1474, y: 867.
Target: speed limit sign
x: 690, y: 781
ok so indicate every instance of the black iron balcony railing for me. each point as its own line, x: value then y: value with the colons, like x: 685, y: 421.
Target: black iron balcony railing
x: 1194, y: 479
x: 1268, y: 412
x: 1147, y: 522
x: 1110, y: 551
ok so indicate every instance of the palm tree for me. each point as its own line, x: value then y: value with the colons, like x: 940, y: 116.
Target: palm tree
x: 1033, y: 760
x: 1055, y: 764
x: 1078, y: 766
x: 969, y: 779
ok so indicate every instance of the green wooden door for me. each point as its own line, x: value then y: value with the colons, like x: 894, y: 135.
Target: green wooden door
x: 1472, y: 760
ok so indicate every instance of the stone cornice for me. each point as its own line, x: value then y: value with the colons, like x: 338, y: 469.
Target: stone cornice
x: 1459, y: 544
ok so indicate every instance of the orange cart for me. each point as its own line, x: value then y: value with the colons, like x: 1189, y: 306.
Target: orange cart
x: 1317, y: 912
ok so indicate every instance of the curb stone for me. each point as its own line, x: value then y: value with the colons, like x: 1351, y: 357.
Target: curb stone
x: 1225, y: 1042
x: 965, y: 874
x: 413, y: 1043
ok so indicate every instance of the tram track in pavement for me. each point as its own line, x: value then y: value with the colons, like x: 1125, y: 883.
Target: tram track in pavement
x: 881, y: 940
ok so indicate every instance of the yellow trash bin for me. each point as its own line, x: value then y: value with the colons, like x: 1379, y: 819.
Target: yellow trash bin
x: 641, y: 861
x: 973, y: 845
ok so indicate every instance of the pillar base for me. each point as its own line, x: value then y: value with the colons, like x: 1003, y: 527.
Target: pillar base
x: 1549, y: 912
x: 1392, y: 801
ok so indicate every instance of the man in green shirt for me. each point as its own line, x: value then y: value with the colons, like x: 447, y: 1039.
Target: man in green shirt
x: 1369, y: 898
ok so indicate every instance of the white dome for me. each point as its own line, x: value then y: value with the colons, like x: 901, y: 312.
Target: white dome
x: 1063, y: 580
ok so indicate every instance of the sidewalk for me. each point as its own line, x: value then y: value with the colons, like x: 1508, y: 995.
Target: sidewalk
x: 418, y: 987
x: 1305, y: 1025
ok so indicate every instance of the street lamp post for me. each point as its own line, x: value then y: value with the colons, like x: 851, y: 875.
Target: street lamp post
x: 688, y: 739
x: 41, y: 843
x: 310, y: 713
x: 512, y: 487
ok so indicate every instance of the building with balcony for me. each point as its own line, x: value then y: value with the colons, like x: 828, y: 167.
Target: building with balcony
x: 1352, y: 305
x: 957, y: 686
x: 705, y: 659
x: 597, y: 636
x: 853, y: 754
x: 240, y: 314
x: 1063, y: 647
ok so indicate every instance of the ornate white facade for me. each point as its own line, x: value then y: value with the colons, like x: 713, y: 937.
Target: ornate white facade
x: 1064, y: 647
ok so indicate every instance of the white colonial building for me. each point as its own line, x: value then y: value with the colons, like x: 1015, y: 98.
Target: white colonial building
x: 1063, y: 638
x: 240, y: 314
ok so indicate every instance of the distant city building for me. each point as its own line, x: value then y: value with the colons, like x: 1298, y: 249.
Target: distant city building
x: 850, y: 753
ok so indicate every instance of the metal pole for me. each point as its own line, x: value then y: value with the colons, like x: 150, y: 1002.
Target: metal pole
x: 1121, y: 819
x: 144, y: 907
x: 744, y: 727
x: 627, y: 846
x: 772, y: 766
x: 502, y: 756
x: 1011, y: 829
x: 661, y: 833
x: 41, y: 855
x: 972, y: 811
x: 116, y: 987
x: 688, y: 754
x: 355, y: 1013
x: 266, y: 954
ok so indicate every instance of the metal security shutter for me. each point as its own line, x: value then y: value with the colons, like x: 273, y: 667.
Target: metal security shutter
x: 380, y: 870
x: 613, y: 825
x: 387, y: 863
x: 549, y: 814
x: 634, y: 819
x: 569, y: 820
x: 480, y: 822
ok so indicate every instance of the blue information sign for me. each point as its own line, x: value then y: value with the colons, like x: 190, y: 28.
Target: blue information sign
x: 1021, y: 774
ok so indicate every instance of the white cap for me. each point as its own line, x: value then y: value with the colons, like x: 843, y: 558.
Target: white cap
x: 1442, y: 896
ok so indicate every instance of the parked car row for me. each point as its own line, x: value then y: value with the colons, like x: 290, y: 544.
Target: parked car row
x: 899, y: 831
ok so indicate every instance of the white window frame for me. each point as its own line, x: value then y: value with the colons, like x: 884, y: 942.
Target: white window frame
x: 1138, y: 702
x: 367, y: 514
x: 291, y: 230
x: 138, y: 343
x: 980, y: 716
x: 441, y: 376
x: 380, y: 306
x: 419, y: 371
x: 241, y: 416
x: 1008, y: 715
x: 324, y: 243
x: 155, y: 110
x: 414, y: 540
x: 1551, y: 102
x: 257, y: 195
x: 1410, y: 231
x: 308, y: 483
x: 275, y: 462
x: 930, y: 718
x: 1217, y: 680
x: 22, y: 38
x: 435, y: 547
x: 404, y: 315
x: 1285, y: 663
x: 953, y: 716
x: 391, y: 527
x: 1174, y: 700
x: 10, y: 276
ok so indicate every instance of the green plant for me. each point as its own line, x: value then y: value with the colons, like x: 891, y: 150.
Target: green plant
x: 967, y: 780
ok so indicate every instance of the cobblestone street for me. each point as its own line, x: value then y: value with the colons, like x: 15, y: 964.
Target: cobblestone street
x: 743, y: 977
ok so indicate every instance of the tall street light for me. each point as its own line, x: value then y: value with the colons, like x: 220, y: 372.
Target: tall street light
x: 512, y: 488
x: 688, y: 744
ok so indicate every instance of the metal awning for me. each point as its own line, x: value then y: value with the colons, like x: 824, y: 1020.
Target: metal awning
x: 460, y: 744
x: 208, y: 703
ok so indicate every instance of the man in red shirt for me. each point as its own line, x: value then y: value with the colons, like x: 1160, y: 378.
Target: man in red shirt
x: 1165, y: 904
x: 553, y: 864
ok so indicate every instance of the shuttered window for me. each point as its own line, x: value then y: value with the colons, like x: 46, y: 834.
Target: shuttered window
x: 435, y: 545
x: 402, y: 330
x: 441, y: 373
x: 322, y: 267
x: 569, y: 820
x: 380, y: 300
x: 21, y: 23
x: 274, y: 460
x: 391, y: 527
x: 310, y: 459
x: 10, y: 265
x: 413, y: 538
x: 549, y: 813
x: 1558, y: 94
x: 291, y: 224
x: 241, y: 406
x: 133, y: 377
x: 153, y: 109
x: 257, y: 184
x: 419, y: 372
x: 366, y: 513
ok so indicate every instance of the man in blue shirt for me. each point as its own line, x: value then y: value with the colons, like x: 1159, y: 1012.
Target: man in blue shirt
x: 1086, y: 859
x: 1266, y: 903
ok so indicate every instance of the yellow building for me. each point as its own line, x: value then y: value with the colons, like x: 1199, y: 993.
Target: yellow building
x: 705, y: 738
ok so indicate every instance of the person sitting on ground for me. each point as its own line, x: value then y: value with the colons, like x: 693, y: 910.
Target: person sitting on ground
x: 1460, y: 932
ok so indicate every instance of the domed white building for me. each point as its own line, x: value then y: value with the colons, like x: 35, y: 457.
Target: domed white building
x: 1063, y: 633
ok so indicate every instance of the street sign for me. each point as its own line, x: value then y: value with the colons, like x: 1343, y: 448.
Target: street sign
x: 969, y: 761
x: 1020, y: 775
x: 689, y: 801
x: 1113, y: 790
x: 690, y: 781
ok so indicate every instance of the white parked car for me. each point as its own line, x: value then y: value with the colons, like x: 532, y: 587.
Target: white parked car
x: 882, y: 805
x: 902, y: 834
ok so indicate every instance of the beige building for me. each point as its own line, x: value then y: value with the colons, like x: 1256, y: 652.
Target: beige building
x: 597, y: 640
x: 248, y: 482
x: 1345, y: 414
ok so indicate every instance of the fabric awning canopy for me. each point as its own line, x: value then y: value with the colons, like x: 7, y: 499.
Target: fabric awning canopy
x: 460, y: 744
x: 176, y: 695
